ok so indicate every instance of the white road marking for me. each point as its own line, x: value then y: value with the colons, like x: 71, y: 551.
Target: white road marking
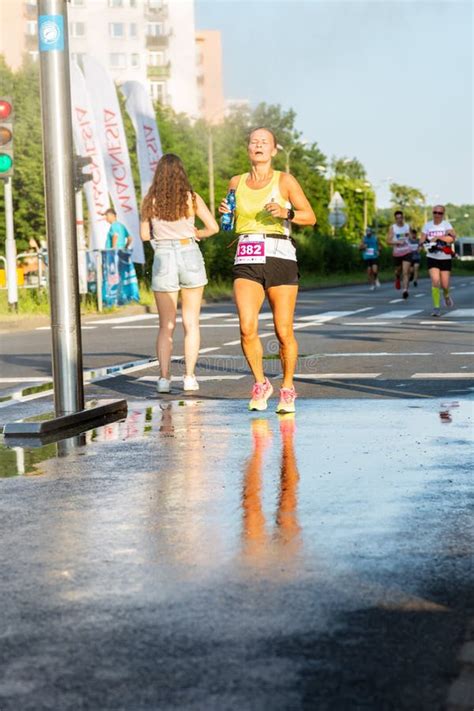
x: 200, y: 378
x: 208, y: 350
x: 436, y: 376
x: 232, y: 343
x: 398, y: 313
x: 460, y: 313
x: 123, y: 319
x: 417, y: 296
x: 48, y: 328
x: 463, y: 353
x: 33, y: 379
x: 365, y: 355
x: 365, y: 323
x: 396, y: 301
x: 438, y: 323
x: 299, y: 326
x: 337, y: 376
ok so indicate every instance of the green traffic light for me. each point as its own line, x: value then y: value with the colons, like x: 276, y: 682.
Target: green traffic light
x: 6, y: 162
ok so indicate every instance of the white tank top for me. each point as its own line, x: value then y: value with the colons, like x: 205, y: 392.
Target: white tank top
x: 178, y: 229
x: 400, y: 235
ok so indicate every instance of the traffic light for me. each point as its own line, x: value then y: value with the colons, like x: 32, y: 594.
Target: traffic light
x: 6, y: 137
x: 81, y: 162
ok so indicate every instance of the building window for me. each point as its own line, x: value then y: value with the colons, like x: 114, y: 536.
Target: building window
x: 31, y: 27
x: 116, y: 29
x: 135, y: 60
x: 34, y: 55
x: 158, y: 91
x: 77, y: 57
x: 118, y: 60
x: 78, y: 29
x: 115, y: 3
x: 156, y: 59
x: 133, y: 29
x: 154, y: 29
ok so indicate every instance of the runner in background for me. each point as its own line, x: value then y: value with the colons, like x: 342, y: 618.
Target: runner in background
x: 415, y: 256
x: 370, y: 254
x: 267, y: 202
x: 398, y: 235
x: 438, y: 237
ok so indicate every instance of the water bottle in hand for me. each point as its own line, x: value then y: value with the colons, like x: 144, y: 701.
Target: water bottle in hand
x: 227, y: 219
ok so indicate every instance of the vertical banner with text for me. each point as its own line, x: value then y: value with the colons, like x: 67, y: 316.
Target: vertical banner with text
x: 140, y: 110
x: 103, y: 96
x: 87, y: 144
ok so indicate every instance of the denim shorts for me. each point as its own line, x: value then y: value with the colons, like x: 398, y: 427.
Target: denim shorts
x: 177, y: 266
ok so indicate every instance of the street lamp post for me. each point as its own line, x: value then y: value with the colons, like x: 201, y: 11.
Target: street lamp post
x: 289, y: 152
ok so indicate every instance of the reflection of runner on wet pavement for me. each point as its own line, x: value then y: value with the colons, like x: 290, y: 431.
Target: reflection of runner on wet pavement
x: 261, y: 546
x: 267, y: 202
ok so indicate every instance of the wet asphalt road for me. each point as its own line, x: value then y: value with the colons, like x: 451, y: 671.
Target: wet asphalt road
x: 197, y: 557
x: 352, y: 343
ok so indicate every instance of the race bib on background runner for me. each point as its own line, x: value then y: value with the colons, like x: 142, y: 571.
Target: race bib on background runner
x: 250, y: 250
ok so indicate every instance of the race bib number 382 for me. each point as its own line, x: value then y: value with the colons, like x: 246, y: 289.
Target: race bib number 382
x: 250, y: 250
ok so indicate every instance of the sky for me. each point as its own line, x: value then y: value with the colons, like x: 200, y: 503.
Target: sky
x: 388, y: 82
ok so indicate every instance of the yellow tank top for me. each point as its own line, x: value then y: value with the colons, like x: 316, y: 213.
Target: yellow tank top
x: 250, y: 215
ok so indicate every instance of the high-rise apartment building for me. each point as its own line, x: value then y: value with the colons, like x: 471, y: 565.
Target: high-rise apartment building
x: 152, y: 41
x: 209, y: 75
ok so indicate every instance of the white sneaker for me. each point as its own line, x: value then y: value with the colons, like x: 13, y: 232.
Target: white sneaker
x: 372, y: 287
x: 190, y: 382
x: 377, y: 284
x: 163, y: 385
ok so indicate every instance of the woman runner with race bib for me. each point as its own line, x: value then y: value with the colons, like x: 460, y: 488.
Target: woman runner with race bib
x: 267, y: 202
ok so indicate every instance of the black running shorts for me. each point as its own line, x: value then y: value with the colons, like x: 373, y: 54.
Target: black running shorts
x: 444, y: 265
x: 275, y: 272
x: 397, y: 261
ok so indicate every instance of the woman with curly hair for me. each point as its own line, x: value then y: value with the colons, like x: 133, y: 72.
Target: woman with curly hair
x: 168, y: 213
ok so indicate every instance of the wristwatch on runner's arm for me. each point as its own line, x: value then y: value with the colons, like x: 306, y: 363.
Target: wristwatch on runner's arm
x: 290, y: 214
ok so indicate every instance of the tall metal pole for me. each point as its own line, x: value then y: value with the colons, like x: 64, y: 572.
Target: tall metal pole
x: 210, y: 160
x: 60, y: 206
x: 10, y: 248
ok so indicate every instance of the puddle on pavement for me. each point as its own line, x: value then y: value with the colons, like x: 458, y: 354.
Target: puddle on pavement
x: 162, y: 420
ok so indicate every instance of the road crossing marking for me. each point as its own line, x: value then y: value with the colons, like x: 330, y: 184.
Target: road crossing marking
x: 398, y: 313
x: 201, y: 378
x: 123, y: 319
x: 232, y: 343
x: 463, y: 353
x: 438, y: 323
x: 436, y: 376
x: 460, y: 313
x: 33, y: 379
x: 48, y: 328
x: 396, y: 301
x: 337, y: 376
x: 365, y: 323
x: 208, y: 350
x: 327, y: 316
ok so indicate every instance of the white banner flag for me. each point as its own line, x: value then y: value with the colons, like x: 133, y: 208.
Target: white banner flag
x: 101, y: 90
x: 140, y: 110
x: 87, y: 144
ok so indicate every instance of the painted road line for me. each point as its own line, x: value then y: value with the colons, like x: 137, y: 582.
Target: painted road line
x: 208, y: 350
x: 307, y: 324
x: 366, y: 355
x: 460, y: 313
x: 396, y: 301
x: 200, y: 378
x: 441, y: 376
x: 326, y: 316
x: 33, y: 379
x: 337, y: 376
x: 365, y: 323
x: 462, y: 353
x: 417, y: 296
x: 439, y: 323
x: 398, y: 314
x: 48, y: 328
x: 123, y: 319
x: 232, y: 343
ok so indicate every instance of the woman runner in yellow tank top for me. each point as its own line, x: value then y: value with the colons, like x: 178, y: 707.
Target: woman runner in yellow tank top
x: 267, y: 202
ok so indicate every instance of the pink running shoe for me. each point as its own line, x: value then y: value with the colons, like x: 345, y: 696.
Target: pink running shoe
x: 260, y: 394
x: 287, y: 400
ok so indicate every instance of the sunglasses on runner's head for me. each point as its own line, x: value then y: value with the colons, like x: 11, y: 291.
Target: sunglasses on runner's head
x: 438, y: 212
